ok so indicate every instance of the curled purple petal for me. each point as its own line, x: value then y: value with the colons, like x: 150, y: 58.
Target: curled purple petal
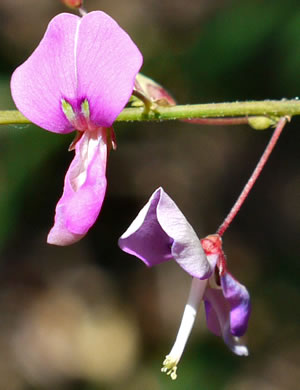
x: 145, y: 238
x: 218, y: 320
x: 239, y: 300
x: 227, y: 315
x: 161, y: 232
x: 84, y: 190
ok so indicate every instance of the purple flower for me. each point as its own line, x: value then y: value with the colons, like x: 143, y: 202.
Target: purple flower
x: 80, y: 77
x: 161, y: 232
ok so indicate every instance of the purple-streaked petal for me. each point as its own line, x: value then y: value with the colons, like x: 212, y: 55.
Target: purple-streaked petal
x: 107, y: 64
x: 145, y: 238
x: 48, y: 75
x: 239, y: 300
x: 89, y: 58
x: 161, y: 232
x: 84, y: 190
x: 218, y: 320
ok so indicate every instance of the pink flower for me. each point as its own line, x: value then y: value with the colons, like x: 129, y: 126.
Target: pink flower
x: 80, y: 77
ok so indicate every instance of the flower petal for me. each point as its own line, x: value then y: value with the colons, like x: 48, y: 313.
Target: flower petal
x: 84, y: 190
x: 239, y: 300
x: 161, y: 232
x: 107, y: 64
x: 145, y: 237
x: 219, y: 319
x: 48, y: 75
x: 186, y: 249
x: 212, y: 320
x: 89, y: 58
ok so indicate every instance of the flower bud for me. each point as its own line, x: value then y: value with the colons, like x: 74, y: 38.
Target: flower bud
x: 73, y: 3
x: 153, y: 91
x: 261, y: 122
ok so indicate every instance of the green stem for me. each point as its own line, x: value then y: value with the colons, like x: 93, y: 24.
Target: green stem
x: 269, y: 108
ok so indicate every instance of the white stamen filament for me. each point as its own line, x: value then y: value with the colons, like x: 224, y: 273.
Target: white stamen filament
x: 187, y: 323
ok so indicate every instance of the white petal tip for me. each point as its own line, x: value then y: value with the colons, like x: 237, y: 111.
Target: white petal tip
x: 62, y: 237
x: 241, y: 350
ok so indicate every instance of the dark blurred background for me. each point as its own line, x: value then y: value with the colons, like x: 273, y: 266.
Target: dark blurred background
x: 89, y: 317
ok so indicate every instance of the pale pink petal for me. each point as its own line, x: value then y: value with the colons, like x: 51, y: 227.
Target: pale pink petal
x: 48, y: 75
x: 107, y: 64
x: 84, y: 190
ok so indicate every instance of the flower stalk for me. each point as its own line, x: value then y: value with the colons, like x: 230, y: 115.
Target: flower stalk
x: 250, y: 183
x: 264, y: 108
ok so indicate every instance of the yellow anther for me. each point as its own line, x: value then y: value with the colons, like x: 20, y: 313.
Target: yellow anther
x: 170, y: 367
